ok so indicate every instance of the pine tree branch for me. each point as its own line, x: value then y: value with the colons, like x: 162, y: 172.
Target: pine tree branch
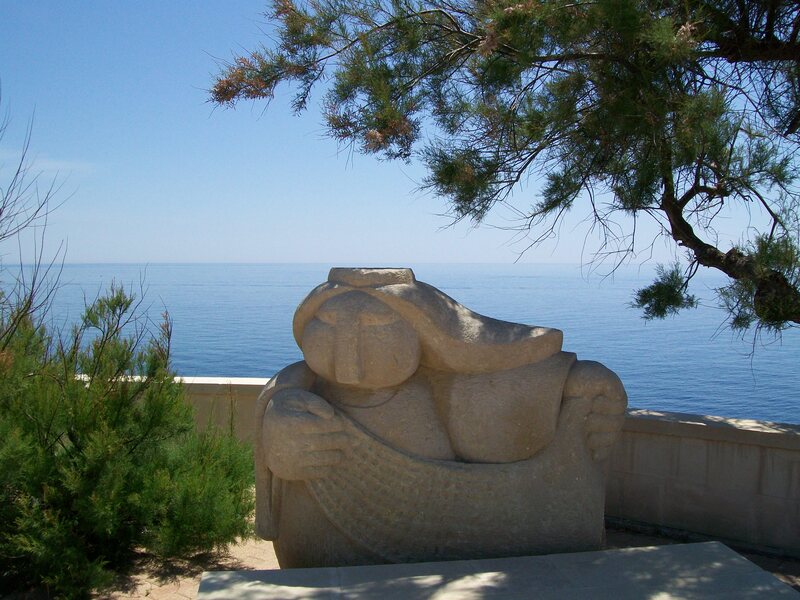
x: 775, y: 300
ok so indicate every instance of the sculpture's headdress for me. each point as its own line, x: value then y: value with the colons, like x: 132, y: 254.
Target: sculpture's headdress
x: 453, y: 338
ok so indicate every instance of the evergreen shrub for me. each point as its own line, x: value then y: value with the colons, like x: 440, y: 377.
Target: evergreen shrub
x: 99, y: 454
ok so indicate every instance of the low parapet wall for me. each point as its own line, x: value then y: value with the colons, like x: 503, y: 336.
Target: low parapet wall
x: 227, y: 402
x: 729, y: 478
x: 734, y: 479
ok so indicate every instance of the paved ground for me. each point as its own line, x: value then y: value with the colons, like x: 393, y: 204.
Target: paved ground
x: 785, y: 569
x: 150, y: 580
x: 673, y: 571
x: 180, y: 581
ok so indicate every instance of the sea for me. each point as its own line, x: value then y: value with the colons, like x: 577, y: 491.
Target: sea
x: 235, y: 320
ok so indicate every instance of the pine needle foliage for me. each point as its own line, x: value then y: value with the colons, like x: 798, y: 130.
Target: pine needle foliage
x: 99, y: 454
x: 679, y: 111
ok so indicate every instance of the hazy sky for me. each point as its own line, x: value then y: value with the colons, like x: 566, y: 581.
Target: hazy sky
x: 151, y: 172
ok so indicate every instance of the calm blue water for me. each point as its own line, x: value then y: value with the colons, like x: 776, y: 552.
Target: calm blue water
x: 235, y: 320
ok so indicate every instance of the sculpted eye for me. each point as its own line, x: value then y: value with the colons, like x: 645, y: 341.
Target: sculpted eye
x: 379, y: 318
x: 326, y: 316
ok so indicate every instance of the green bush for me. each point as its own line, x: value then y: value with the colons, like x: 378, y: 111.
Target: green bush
x: 99, y: 455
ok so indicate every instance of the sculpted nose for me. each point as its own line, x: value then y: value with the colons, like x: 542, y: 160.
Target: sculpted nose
x: 347, y: 355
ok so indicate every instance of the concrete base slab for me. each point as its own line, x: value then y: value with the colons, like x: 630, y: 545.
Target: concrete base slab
x: 707, y: 570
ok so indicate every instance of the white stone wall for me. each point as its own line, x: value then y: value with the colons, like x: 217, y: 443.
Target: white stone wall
x: 225, y: 402
x: 729, y: 478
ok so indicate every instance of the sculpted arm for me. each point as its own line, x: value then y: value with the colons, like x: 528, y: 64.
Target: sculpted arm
x: 300, y: 434
x: 298, y: 437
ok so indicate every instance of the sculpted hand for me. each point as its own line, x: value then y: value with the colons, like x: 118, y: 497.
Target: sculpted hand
x: 303, y: 436
x: 606, y: 403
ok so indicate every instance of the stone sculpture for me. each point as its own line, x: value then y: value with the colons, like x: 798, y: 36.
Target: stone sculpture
x: 416, y: 430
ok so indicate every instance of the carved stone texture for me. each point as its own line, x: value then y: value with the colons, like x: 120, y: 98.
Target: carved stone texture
x: 417, y: 430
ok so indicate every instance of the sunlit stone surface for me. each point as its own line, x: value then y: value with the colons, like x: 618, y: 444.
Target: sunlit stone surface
x: 417, y: 430
x: 680, y: 572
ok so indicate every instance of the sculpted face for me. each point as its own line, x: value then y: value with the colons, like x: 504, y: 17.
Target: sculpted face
x: 355, y: 339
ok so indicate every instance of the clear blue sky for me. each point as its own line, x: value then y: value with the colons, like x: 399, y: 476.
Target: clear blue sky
x: 154, y: 173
